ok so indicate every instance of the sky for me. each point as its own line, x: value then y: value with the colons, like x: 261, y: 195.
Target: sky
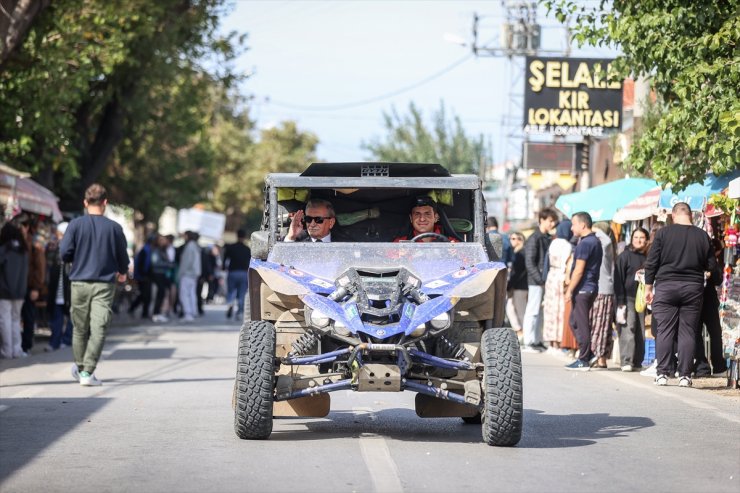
x: 334, y: 67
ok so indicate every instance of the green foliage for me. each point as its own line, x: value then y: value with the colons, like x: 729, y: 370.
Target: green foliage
x: 243, y: 164
x: 409, y: 140
x: 118, y: 92
x: 688, y: 50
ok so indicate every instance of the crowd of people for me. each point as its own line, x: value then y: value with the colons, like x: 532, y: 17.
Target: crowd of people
x: 570, y: 292
x: 162, y: 281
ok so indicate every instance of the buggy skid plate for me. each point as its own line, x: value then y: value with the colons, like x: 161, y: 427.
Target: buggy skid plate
x: 380, y: 377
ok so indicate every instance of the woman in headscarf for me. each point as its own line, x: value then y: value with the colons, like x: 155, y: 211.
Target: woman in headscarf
x: 554, y: 300
x: 632, y: 329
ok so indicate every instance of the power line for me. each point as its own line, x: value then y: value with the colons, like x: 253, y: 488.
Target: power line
x: 374, y: 99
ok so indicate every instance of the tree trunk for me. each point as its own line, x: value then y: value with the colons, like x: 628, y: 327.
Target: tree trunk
x: 16, y: 17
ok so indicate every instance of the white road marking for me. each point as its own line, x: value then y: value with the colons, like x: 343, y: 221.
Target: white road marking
x: 3, y: 407
x: 27, y: 393
x: 377, y: 457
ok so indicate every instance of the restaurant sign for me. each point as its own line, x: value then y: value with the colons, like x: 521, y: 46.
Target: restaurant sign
x: 571, y: 96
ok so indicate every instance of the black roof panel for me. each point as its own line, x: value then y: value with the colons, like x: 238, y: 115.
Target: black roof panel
x: 376, y: 169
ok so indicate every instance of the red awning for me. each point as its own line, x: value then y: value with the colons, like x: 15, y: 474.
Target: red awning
x: 17, y: 191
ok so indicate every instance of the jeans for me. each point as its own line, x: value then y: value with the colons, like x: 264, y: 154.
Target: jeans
x: 533, y: 316
x: 237, y: 283
x: 91, y: 315
x: 187, y: 296
x: 56, y: 323
x: 580, y: 322
x: 632, y: 337
x: 10, y: 328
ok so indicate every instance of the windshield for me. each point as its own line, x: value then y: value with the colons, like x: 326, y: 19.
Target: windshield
x: 426, y: 260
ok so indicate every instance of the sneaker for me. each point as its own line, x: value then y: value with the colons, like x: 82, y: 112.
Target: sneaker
x: 651, y: 371
x: 89, y: 380
x: 540, y: 346
x: 230, y: 311
x: 188, y: 319
x: 578, y: 365
x: 661, y: 380
x: 684, y: 382
x: 627, y: 368
x: 158, y: 318
x: 49, y: 349
x: 75, y: 372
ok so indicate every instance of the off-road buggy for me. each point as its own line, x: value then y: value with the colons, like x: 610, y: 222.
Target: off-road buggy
x: 366, y: 314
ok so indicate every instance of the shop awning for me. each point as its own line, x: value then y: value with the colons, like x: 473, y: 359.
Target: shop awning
x: 603, y: 201
x: 18, y: 191
x: 642, y: 207
x: 697, y: 194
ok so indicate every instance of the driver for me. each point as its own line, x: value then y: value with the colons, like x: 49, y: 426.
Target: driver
x: 424, y: 219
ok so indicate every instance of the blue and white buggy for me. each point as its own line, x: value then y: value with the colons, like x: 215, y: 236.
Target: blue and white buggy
x: 370, y: 315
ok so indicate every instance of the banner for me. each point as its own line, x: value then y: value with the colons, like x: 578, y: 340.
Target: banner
x: 571, y: 96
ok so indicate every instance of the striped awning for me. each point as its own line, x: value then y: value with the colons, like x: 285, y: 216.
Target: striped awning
x: 642, y: 207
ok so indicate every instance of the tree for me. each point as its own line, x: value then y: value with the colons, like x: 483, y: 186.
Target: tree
x: 409, y: 140
x: 688, y: 50
x: 97, y: 79
x: 16, y: 17
x: 244, y: 164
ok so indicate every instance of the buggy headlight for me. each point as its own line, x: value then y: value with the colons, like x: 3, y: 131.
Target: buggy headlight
x: 441, y: 321
x: 318, y: 319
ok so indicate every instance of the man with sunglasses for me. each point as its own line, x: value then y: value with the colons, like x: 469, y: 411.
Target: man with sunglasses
x: 318, y: 220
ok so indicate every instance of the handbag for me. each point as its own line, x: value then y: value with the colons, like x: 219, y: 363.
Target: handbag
x: 640, y: 298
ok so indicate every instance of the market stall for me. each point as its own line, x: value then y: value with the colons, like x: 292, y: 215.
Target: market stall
x: 603, y: 201
x: 20, y: 193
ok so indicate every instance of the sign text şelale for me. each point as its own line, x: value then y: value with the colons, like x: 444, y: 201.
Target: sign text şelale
x: 571, y: 96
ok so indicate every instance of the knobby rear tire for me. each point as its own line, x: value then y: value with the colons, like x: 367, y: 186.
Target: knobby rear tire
x: 503, y: 405
x: 255, y: 377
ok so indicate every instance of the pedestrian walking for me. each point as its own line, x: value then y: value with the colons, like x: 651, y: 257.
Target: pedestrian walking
x: 35, y: 287
x: 674, y: 283
x: 583, y: 288
x: 59, y: 298
x: 143, y: 277
x: 710, y: 320
x: 554, y: 305
x: 190, y: 270
x: 632, y: 328
x: 516, y: 287
x: 603, y: 311
x: 535, y: 252
x: 236, y: 261
x: 162, y: 269
x: 96, y: 247
x: 13, y: 289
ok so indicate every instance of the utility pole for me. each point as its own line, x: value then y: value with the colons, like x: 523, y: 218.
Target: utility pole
x: 520, y: 37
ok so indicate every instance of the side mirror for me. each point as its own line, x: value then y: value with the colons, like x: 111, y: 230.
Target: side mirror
x: 260, y: 244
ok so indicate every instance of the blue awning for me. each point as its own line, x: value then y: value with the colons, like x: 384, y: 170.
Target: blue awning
x: 603, y: 201
x: 697, y: 194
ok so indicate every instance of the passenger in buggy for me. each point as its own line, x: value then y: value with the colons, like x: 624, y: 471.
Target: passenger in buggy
x: 424, y: 220
x: 318, y: 220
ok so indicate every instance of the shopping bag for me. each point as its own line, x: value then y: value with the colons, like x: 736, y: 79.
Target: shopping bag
x: 640, y: 298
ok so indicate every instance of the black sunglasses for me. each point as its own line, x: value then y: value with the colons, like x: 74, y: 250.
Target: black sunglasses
x: 316, y: 219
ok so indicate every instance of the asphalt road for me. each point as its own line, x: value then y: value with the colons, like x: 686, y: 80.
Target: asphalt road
x: 162, y: 422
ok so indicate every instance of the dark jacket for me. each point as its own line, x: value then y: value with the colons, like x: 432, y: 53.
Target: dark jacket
x: 625, y: 286
x: 57, y: 268
x: 13, y: 272
x: 518, y: 273
x: 535, y: 252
